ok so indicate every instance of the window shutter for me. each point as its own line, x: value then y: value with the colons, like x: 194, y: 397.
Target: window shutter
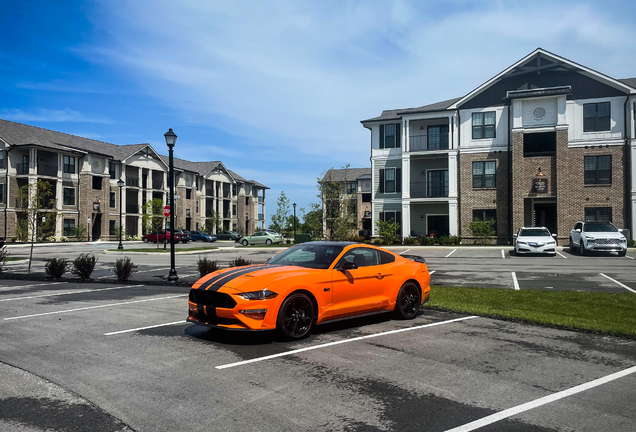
x: 398, y: 180
x: 381, y: 216
x: 398, y: 131
x: 381, y: 181
x: 381, y: 136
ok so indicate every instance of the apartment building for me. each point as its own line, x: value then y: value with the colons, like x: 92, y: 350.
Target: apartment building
x: 546, y: 142
x: 355, y: 187
x: 84, y: 175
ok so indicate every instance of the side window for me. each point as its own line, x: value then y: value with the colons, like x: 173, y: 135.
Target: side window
x: 362, y: 257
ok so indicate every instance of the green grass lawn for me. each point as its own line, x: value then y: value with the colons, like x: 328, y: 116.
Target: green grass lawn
x: 160, y: 249
x: 604, y: 313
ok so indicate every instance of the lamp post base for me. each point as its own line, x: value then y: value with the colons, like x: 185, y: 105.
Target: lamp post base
x: 172, y: 276
x: 120, y: 247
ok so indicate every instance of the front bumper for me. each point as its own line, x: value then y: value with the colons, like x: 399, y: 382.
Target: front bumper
x: 530, y: 249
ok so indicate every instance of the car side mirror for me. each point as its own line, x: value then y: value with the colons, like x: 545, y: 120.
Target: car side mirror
x: 578, y: 230
x: 514, y: 236
x: 554, y: 235
x: 620, y: 230
x: 349, y: 266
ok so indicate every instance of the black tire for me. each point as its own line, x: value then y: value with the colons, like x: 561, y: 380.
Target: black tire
x: 268, y: 241
x: 165, y: 241
x: 572, y: 248
x: 245, y: 242
x: 145, y: 240
x: 184, y: 241
x: 622, y: 253
x: 295, y: 317
x: 582, y: 250
x: 407, y: 304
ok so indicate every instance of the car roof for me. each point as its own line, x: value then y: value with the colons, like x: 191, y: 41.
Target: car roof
x: 535, y: 228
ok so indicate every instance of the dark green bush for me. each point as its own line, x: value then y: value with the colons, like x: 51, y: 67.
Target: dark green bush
x: 84, y: 265
x: 56, y: 267
x: 631, y: 243
x: 206, y: 266
x: 408, y: 241
x: 240, y: 262
x: 124, y: 268
x: 359, y: 239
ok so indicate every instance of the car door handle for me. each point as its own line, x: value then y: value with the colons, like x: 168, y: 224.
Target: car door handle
x: 380, y: 275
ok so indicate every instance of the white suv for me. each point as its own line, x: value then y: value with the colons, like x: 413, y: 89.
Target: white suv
x: 597, y: 237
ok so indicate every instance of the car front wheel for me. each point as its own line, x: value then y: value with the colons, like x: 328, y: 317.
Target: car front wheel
x: 295, y: 317
x: 582, y: 249
x: 407, y: 304
x: 622, y: 253
x: 245, y: 242
x: 572, y: 247
x: 145, y: 240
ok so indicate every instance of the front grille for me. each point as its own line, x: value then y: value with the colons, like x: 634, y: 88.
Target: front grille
x: 211, y: 298
x: 215, y: 320
x: 607, y: 241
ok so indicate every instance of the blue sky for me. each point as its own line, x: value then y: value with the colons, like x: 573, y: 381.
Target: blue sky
x: 276, y: 89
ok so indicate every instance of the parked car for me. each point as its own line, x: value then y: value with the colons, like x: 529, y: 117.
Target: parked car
x: 262, y: 237
x: 1, y: 242
x: 534, y: 240
x: 228, y: 235
x: 163, y: 236
x: 185, y: 235
x: 202, y: 236
x: 597, y: 237
x: 288, y: 292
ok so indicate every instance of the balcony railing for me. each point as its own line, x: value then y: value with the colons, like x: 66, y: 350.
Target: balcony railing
x: 261, y: 216
x: 209, y: 191
x: 421, y: 143
x: 226, y: 194
x: 47, y: 170
x: 157, y: 184
x: 132, y: 181
x: 132, y: 208
x: 23, y: 204
x: 261, y: 200
x: 435, y: 189
x: 22, y: 168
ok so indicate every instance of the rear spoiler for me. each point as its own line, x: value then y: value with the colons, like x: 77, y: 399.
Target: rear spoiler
x: 415, y: 258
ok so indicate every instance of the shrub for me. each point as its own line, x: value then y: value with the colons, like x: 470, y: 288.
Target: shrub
x: 378, y: 242
x: 482, y: 230
x: 428, y: 241
x: 84, y: 265
x: 367, y: 241
x: 240, y: 262
x: 56, y: 267
x: 388, y: 231
x: 4, y: 254
x: 124, y: 268
x: 288, y: 241
x: 63, y: 239
x: 206, y: 266
x: 50, y: 239
x: 408, y: 241
x: 359, y: 239
x: 631, y: 243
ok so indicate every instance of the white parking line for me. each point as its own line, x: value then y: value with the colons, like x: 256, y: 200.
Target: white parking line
x: 503, y: 255
x: 68, y: 293
x: 562, y: 256
x: 430, y: 273
x: 629, y: 257
x: 514, y: 281
x: 30, y: 286
x: 450, y: 253
x: 404, y: 252
x: 485, y: 421
x: 144, y: 328
x: 93, y: 307
x: 617, y: 282
x: 287, y: 353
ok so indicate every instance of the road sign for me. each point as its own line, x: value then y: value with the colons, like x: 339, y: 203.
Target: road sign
x: 166, y: 211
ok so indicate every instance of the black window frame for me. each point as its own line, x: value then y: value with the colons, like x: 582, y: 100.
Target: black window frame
x: 97, y: 181
x: 68, y: 227
x: 395, y: 141
x: 1, y: 192
x: 486, y: 215
x: 69, y: 164
x: 352, y: 188
x: 597, y: 176
x: 111, y: 227
x: 366, y: 197
x: 112, y: 198
x: 481, y: 181
x: 391, y: 183
x: 188, y: 193
x: 601, y: 214
x: 437, y: 188
x: 112, y: 170
x: 2, y: 159
x: 484, y: 132
x: 441, y: 141
x: 596, y: 123
x: 67, y: 194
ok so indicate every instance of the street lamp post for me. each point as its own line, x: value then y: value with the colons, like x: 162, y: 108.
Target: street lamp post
x: 171, y: 139
x: 120, y: 183
x: 294, y: 222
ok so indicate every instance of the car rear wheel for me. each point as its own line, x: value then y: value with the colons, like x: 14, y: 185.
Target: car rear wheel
x: 295, y: 317
x: 268, y: 241
x: 407, y: 304
x: 145, y: 240
x: 245, y: 242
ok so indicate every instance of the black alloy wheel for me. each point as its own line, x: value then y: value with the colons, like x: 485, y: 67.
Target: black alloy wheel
x: 295, y: 317
x: 145, y: 240
x: 407, y: 304
x: 582, y: 250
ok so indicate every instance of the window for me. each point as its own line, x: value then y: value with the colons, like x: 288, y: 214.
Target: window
x: 69, y: 164
x: 598, y: 169
x: 485, y: 215
x: 234, y: 189
x: 362, y: 257
x: 593, y: 214
x: 69, y: 196
x: 197, y: 206
x: 97, y: 183
x: 233, y: 209
x: 437, y: 137
x: 112, y: 170
x: 366, y: 197
x: 437, y: 183
x: 390, y: 135
x: 484, y: 174
x: 351, y: 188
x: 69, y: 227
x: 390, y: 180
x: 596, y: 117
x: 112, y: 200
x: 111, y: 227
x: 1, y: 159
x: 539, y: 144
x: 1, y: 193
x: 188, y: 193
x: 484, y: 125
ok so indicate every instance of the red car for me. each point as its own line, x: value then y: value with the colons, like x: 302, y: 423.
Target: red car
x: 162, y: 237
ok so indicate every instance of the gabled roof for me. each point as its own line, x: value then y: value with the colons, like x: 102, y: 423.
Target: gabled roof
x: 551, y: 61
x: 397, y: 114
x: 629, y: 81
x: 348, y: 174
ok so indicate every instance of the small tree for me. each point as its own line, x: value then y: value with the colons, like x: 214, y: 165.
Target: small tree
x: 79, y: 231
x: 280, y: 221
x: 312, y: 221
x: 339, y: 207
x: 213, y: 222
x: 152, y: 218
x: 482, y: 230
x: 388, y: 231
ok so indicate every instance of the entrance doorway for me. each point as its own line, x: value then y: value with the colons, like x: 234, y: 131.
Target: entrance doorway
x: 546, y: 215
x: 97, y: 226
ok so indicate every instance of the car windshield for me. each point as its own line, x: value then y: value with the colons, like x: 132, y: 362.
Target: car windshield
x: 599, y: 227
x: 534, y: 233
x: 310, y: 256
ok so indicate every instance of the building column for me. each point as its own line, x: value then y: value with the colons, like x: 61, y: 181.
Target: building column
x: 452, y: 217
x: 406, y: 177
x: 455, y: 130
x: 452, y: 174
x: 406, y: 219
x: 59, y: 201
x: 405, y: 135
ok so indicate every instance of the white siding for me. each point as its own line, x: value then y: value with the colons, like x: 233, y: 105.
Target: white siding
x: 574, y: 115
x: 501, y: 132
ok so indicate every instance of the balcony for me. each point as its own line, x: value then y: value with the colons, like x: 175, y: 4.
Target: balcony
x: 23, y: 204
x: 261, y: 200
x: 22, y: 169
x: 421, y: 143
x: 47, y: 170
x: 132, y: 208
x: 437, y: 189
x: 157, y: 184
x: 132, y: 181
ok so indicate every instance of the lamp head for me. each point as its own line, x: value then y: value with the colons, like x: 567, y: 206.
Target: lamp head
x: 120, y: 183
x: 171, y: 138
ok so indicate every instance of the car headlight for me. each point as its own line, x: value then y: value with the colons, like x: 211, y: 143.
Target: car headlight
x: 520, y: 242
x: 551, y: 242
x: 259, y: 295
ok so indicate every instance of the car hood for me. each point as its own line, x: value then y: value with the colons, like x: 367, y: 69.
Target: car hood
x: 603, y: 234
x: 535, y: 239
x: 253, y: 278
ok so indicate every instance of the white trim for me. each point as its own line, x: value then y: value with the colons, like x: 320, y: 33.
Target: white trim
x: 616, y: 142
x: 490, y: 149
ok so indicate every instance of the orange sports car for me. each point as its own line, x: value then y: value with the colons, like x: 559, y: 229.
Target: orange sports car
x: 308, y: 284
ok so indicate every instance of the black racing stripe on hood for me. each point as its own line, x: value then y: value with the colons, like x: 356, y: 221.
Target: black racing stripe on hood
x: 210, y: 281
x: 227, y: 278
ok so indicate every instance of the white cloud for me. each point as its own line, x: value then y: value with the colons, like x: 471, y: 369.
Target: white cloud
x: 47, y: 115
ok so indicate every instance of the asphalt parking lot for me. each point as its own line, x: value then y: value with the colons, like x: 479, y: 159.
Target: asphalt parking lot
x: 124, y: 353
